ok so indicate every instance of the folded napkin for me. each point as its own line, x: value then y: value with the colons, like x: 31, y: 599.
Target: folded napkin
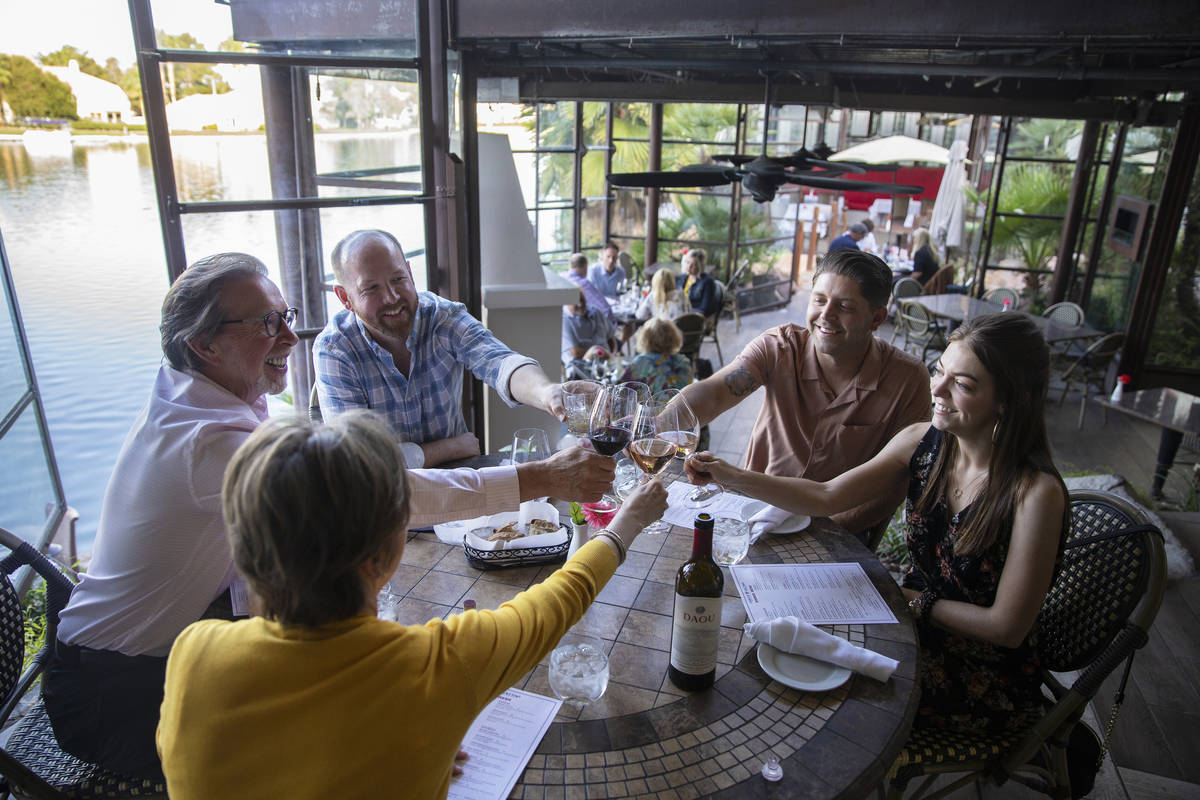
x: 765, y: 520
x: 794, y: 635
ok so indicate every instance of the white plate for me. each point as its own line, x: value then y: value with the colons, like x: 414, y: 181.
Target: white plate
x: 793, y: 524
x: 800, y: 672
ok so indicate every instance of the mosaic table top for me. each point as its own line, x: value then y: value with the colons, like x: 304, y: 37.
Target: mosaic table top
x: 645, y: 737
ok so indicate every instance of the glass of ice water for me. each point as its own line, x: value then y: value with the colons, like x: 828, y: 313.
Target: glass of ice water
x: 731, y: 540
x: 578, y: 669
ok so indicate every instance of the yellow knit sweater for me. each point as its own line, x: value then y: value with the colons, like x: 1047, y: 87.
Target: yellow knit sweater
x: 361, y: 708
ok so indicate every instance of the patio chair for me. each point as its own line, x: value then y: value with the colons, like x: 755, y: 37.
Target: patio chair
x: 710, y: 324
x: 921, y: 329
x: 939, y: 280
x: 691, y: 325
x: 901, y: 289
x: 31, y: 762
x: 1090, y: 369
x: 1097, y: 614
x: 999, y: 294
x: 1065, y: 313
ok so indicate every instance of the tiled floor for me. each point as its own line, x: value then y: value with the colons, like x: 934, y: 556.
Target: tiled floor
x: 1156, y: 743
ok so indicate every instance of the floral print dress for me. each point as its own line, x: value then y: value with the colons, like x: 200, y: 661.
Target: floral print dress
x: 967, y: 685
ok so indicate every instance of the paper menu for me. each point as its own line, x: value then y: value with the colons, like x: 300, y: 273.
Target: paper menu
x: 500, y: 743
x: 822, y: 594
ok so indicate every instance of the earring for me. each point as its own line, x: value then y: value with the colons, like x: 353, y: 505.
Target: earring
x: 996, y: 431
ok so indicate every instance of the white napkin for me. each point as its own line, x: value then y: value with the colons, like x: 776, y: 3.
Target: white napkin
x: 765, y: 519
x: 794, y: 635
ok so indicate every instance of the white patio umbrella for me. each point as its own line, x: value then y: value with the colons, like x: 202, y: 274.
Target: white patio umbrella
x: 946, y: 222
x: 894, y: 150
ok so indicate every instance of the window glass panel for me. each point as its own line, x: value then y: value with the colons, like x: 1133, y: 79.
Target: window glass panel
x: 554, y: 229
x: 595, y: 123
x: 210, y: 25
x: 1045, y: 138
x: 556, y: 176
x: 26, y: 494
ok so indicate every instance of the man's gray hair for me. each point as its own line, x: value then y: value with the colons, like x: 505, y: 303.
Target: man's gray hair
x: 192, y: 309
x: 352, y: 241
x: 578, y: 262
x: 859, y: 228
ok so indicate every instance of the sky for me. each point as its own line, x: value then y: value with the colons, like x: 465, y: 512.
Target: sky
x: 101, y: 28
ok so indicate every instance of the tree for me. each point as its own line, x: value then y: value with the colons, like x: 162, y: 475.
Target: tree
x: 32, y: 92
x: 181, y: 80
x: 63, y: 56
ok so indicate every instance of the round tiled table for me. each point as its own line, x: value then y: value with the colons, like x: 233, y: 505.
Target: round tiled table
x: 645, y: 737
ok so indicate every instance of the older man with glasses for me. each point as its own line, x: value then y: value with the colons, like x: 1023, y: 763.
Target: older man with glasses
x: 161, y: 559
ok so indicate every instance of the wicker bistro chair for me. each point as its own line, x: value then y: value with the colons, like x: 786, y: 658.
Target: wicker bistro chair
x: 921, y: 329
x: 939, y: 280
x: 1089, y: 369
x: 1065, y: 313
x: 901, y: 290
x: 1097, y: 613
x: 32, y: 764
x: 691, y: 325
x: 1000, y: 293
x: 709, y: 334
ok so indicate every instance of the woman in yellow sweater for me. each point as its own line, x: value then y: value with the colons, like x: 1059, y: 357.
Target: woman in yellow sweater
x: 318, y: 697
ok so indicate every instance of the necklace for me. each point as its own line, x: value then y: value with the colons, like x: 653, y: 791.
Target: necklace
x: 958, y: 491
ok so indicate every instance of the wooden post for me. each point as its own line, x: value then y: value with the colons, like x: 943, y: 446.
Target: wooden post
x: 813, y: 238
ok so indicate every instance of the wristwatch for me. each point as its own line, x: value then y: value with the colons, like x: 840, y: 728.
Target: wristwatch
x: 921, y: 606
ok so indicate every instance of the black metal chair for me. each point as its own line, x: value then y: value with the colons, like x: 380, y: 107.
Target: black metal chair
x: 32, y: 764
x: 1089, y: 369
x: 1097, y: 613
x: 691, y: 325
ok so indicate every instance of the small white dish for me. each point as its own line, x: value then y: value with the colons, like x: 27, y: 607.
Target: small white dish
x: 800, y: 672
x: 793, y: 524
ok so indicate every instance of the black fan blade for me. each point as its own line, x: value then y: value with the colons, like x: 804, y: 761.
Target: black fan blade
x: 841, y: 166
x: 737, y: 159
x: 667, y: 180
x: 865, y: 167
x: 820, y: 182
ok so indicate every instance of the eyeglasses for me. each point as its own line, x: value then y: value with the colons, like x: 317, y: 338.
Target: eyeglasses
x: 273, y: 321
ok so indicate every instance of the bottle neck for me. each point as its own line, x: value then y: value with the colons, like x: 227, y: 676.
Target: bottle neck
x: 702, y: 542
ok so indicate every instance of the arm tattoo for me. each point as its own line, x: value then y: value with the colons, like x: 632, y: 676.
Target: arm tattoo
x: 740, y: 382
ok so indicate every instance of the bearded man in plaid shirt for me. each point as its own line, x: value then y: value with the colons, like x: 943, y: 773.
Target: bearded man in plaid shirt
x: 401, y: 353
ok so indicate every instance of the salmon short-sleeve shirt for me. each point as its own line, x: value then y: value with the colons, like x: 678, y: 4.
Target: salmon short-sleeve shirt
x: 803, y: 430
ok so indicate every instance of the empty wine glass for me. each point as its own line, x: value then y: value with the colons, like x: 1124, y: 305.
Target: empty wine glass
x: 642, y: 390
x: 530, y: 444
x: 650, y: 450
x: 612, y: 420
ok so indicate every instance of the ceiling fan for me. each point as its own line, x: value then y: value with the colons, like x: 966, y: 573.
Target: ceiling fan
x: 762, y: 175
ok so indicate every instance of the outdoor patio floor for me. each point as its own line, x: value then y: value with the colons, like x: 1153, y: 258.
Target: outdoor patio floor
x: 1156, y: 742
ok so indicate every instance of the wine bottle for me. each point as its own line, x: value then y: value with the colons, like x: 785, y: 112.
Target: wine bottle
x: 696, y: 631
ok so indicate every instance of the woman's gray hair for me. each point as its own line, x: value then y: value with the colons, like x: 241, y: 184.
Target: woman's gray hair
x: 306, y: 506
x: 192, y: 308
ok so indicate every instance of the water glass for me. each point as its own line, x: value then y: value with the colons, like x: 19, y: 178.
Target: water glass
x: 626, y: 478
x: 578, y: 669
x: 731, y: 540
x: 530, y: 444
x: 578, y: 398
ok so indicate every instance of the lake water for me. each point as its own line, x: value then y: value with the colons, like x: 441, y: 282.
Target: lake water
x: 81, y: 228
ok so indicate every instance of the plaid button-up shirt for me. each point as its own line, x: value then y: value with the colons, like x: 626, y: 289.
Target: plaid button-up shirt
x: 353, y: 371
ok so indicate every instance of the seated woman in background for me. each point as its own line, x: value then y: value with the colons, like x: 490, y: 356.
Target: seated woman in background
x: 698, y: 285
x: 664, y: 300
x: 925, y: 259
x: 659, y: 364
x: 319, y: 697
x: 986, y: 517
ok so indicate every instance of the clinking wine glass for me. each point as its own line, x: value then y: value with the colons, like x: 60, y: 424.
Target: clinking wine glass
x: 650, y: 450
x: 530, y: 444
x: 612, y: 420
x: 687, y: 436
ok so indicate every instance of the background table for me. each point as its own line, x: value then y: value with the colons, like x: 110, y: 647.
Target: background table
x: 1174, y: 411
x: 961, y: 307
x: 647, y: 738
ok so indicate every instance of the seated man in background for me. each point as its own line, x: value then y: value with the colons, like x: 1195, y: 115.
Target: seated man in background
x: 850, y: 239
x: 585, y: 332
x: 835, y: 394
x: 608, y: 275
x: 577, y: 274
x: 402, y: 352
x: 161, y: 559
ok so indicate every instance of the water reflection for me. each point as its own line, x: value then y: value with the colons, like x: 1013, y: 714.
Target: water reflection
x: 83, y: 238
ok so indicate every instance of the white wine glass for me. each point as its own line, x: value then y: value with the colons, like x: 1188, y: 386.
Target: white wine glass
x: 649, y: 449
x: 687, y: 436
